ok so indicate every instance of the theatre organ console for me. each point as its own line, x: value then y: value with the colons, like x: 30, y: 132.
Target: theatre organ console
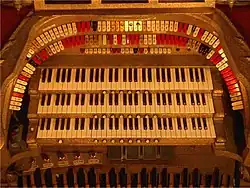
x: 133, y: 97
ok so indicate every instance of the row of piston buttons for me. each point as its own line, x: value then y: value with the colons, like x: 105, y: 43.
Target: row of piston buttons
x: 61, y: 156
x: 104, y: 141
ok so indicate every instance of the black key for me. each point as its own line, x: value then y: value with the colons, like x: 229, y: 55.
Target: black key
x: 202, y: 75
x: 204, y: 123
x: 191, y: 74
x: 96, y: 75
x: 102, y: 123
x: 144, y: 99
x: 62, y: 124
x: 58, y: 74
x: 185, y: 123
x: 130, y: 98
x: 193, y: 124
x: 116, y: 75
x: 110, y: 99
x: 57, y: 124
x: 124, y: 75
x: 177, y: 179
x: 68, y: 124
x: 91, y: 123
x: 143, y: 75
x: 116, y: 98
x: 163, y: 75
x: 164, y: 100
x: 102, y: 75
x: 198, y: 99
x: 130, y: 121
x: 183, y: 77
x: 96, y: 99
x: 43, y: 99
x: 82, y: 123
x: 169, y: 99
x: 110, y: 123
x: 157, y: 74
x: 136, y: 123
x: 135, y: 75
x: 165, y: 126
x: 91, y: 99
x: 158, y: 100
x: 179, y: 124
x: 77, y: 75
x: 57, y: 99
x: 169, y: 74
x: 177, y: 76
x: 91, y: 75
x: 68, y: 99
x: 136, y: 98
x: 76, y: 123
x: 102, y: 99
x: 203, y: 99
x: 125, y: 126
x: 69, y: 75
x: 149, y: 75
x: 192, y: 98
x: 83, y: 75
x: 150, y: 98
x: 164, y: 178
x: 124, y: 99
x: 144, y: 178
x: 154, y: 178
x: 145, y: 126
x: 196, y: 178
x: 63, y: 99
x: 159, y: 123
x: 96, y: 123
x: 42, y: 124
x: 83, y: 99
x: 199, y: 123
x: 48, y: 124
x: 123, y: 178
x: 197, y: 78
x: 130, y: 76
x: 170, y: 123
x: 77, y: 100
x: 178, y: 99
x: 150, y: 124
x: 110, y: 75
x: 116, y: 123
x: 184, y: 101
x: 63, y: 75
x: 185, y: 177
x: 50, y: 75
x: 44, y: 74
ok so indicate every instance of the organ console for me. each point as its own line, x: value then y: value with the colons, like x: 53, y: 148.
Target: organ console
x: 154, y: 96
